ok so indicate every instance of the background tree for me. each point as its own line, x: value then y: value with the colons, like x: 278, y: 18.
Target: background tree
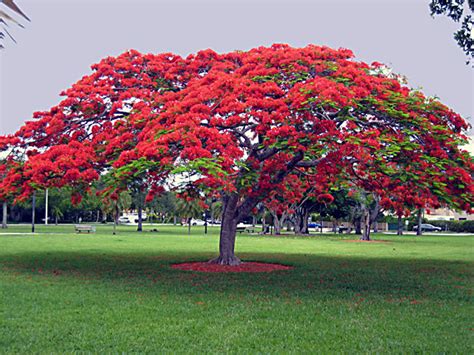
x: 164, y: 206
x: 114, y: 203
x: 281, y: 202
x: 189, y: 208
x: 336, y: 205
x: 456, y: 10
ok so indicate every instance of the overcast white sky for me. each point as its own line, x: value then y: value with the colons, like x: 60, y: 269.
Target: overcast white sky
x: 66, y: 36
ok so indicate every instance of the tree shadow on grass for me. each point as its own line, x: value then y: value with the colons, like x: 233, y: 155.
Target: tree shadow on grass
x: 339, y: 276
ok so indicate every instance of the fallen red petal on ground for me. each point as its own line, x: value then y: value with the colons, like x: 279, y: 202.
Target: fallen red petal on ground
x: 243, y: 267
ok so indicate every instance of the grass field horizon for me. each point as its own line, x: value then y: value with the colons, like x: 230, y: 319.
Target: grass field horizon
x: 102, y: 293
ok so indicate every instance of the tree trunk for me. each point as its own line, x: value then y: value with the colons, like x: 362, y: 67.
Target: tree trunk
x: 56, y: 219
x: 305, y: 221
x: 358, y: 225
x: 277, y: 225
x: 301, y: 220
x: 420, y: 215
x: 374, y: 213
x: 297, y: 222
x: 189, y: 225
x: 140, y: 218
x: 46, y: 201
x: 366, y: 225
x: 400, y: 226
x: 278, y: 222
x: 320, y: 220
x: 376, y: 227
x: 33, y: 212
x: 228, y: 232
x: 4, y: 218
x: 140, y: 198
x: 116, y: 217
x: 174, y: 220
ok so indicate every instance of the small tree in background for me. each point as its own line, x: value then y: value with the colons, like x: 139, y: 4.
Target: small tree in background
x: 456, y: 10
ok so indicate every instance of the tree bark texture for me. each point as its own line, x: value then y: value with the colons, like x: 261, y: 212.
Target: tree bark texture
x: 234, y: 210
x: 400, y: 226
x: 4, y: 218
x: 366, y: 225
x: 140, y: 211
x: 301, y: 220
x: 358, y: 225
x: 33, y: 212
x: 278, y: 222
x: 228, y: 232
x: 420, y: 215
x: 374, y: 213
x: 116, y: 217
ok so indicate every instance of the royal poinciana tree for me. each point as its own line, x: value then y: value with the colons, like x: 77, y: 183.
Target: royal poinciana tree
x: 240, y: 123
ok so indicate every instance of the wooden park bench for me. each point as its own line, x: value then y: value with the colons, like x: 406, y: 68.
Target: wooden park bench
x: 250, y: 229
x: 247, y: 229
x: 84, y: 228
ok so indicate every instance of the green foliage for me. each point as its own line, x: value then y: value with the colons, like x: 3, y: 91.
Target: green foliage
x: 164, y: 206
x: 456, y: 10
x: 188, y: 209
x: 210, y: 166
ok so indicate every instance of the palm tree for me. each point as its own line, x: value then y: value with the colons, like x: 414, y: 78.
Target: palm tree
x: 57, y: 213
x: 5, y: 19
x: 188, y: 210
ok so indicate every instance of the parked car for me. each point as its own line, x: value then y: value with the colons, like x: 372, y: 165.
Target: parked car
x: 425, y: 227
x: 314, y: 225
x: 197, y: 222
x: 342, y: 229
x: 123, y: 220
x: 214, y: 223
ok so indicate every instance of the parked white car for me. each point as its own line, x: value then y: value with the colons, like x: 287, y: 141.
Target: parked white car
x: 197, y: 222
x: 123, y: 220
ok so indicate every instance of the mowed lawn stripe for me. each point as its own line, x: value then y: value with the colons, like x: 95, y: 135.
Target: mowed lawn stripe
x: 68, y: 292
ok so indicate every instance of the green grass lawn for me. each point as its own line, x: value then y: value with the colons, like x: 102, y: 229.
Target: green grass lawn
x: 62, y: 292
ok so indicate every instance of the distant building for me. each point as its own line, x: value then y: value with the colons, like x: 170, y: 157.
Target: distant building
x: 445, y: 214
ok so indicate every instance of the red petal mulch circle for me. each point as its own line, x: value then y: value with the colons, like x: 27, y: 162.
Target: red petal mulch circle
x: 243, y: 267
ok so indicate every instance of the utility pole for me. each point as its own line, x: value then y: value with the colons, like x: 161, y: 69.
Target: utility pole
x: 33, y: 208
x: 46, y: 207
